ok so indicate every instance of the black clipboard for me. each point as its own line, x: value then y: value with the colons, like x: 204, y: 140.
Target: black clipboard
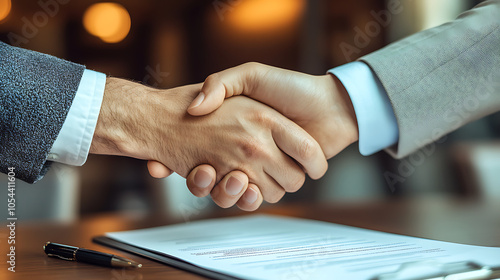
x: 162, y: 258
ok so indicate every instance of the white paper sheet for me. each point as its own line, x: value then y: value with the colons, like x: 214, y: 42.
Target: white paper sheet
x: 274, y: 247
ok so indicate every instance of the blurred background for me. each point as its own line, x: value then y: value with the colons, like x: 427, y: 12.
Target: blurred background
x: 166, y: 43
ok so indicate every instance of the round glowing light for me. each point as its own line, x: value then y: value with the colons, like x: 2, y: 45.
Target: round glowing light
x: 108, y: 21
x: 5, y: 6
x: 262, y: 15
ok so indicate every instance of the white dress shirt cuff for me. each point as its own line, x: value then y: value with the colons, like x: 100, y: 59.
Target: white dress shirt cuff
x: 377, y: 125
x: 72, y: 145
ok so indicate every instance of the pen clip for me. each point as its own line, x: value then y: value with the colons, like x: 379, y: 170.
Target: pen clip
x: 61, y: 257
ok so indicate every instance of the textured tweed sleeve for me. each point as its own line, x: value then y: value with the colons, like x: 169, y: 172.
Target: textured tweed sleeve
x: 36, y: 92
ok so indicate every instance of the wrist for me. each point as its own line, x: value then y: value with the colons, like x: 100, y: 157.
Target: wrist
x: 118, y: 125
x: 341, y: 116
x: 348, y: 112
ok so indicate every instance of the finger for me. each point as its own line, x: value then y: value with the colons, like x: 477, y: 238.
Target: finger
x: 251, y: 199
x: 201, y: 180
x: 224, y: 84
x: 158, y: 170
x: 271, y: 191
x: 298, y: 144
x: 230, y: 189
x: 284, y: 171
x: 208, y: 100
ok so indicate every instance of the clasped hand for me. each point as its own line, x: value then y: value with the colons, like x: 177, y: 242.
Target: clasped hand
x: 248, y: 152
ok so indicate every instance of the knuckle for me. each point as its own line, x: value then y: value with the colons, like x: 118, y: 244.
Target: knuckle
x: 297, y: 183
x: 252, y: 70
x: 264, y: 118
x: 252, y: 65
x: 307, y: 150
x: 212, y: 78
x: 251, y: 148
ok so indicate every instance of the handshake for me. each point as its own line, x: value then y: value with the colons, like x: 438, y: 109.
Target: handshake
x: 245, y: 135
x: 251, y: 133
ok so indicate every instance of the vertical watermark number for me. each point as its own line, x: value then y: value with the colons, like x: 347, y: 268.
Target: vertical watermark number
x: 11, y: 219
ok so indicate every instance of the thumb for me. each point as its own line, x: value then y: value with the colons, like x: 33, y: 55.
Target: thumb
x: 158, y: 170
x: 209, y: 99
x: 221, y: 85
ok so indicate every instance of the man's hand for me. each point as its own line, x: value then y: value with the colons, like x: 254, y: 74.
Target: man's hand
x: 319, y: 104
x: 265, y: 148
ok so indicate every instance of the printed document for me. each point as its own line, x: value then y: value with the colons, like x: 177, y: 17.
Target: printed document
x: 275, y: 247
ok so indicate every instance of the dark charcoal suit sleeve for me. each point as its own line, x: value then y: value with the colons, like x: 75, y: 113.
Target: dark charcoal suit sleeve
x: 36, y: 92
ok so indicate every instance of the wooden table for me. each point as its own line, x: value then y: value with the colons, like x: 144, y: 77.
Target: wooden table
x: 455, y: 220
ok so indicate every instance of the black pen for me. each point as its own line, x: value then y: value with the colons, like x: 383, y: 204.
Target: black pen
x: 71, y: 253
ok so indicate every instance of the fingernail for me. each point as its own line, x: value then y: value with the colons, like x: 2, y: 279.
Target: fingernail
x: 202, y: 179
x: 250, y: 196
x: 198, y: 100
x: 233, y: 186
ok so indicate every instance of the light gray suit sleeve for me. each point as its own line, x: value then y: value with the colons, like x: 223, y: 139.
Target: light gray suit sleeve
x: 443, y: 78
x: 36, y: 92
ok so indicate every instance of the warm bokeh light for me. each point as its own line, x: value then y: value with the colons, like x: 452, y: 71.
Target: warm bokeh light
x: 263, y: 15
x: 108, y: 21
x: 5, y: 6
